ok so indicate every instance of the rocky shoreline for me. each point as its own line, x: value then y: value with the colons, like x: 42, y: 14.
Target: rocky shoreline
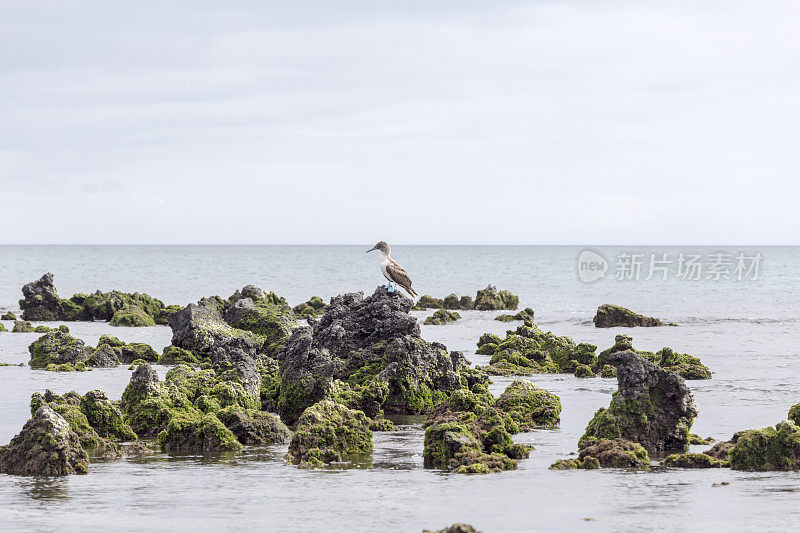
x: 246, y: 372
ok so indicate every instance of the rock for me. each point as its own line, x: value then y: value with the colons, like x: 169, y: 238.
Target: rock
x: 442, y: 317
x: 465, y: 303
x: 608, y: 371
x: 315, y: 306
x: 57, y: 348
x: 104, y: 357
x: 373, y: 347
x: 22, y: 326
x: 525, y: 314
x: 104, y: 305
x: 131, y: 316
x: 427, y: 301
x: 529, y: 406
x: 694, y: 438
x: 685, y: 365
x: 254, y: 427
x: 129, y: 353
x: 451, y: 302
x: 529, y: 350
x: 41, y: 300
x: 382, y: 424
x: 490, y: 299
x: 584, y: 371
x: 587, y: 463
x: 104, y: 416
x: 611, y: 316
x: 470, y: 434
x: 163, y: 316
x: 329, y: 432
x: 692, y: 460
x: 653, y: 407
x: 616, y: 453
x: 2, y: 328
x: 720, y: 450
x: 174, y: 356
x: 455, y: 528
x: 794, y: 413
x: 46, y: 446
x: 273, y: 321
x: 194, y: 431
x: 767, y: 449
x: 8, y: 316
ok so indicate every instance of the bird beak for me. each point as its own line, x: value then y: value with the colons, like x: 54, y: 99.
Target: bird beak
x: 373, y: 248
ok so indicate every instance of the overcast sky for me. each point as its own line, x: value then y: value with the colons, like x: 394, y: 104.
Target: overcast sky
x: 414, y: 122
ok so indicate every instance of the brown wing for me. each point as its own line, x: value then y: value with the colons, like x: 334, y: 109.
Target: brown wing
x: 400, y: 277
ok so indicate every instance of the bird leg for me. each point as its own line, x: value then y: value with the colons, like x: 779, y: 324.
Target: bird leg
x: 389, y: 287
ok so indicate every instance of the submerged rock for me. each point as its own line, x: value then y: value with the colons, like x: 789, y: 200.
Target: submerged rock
x: 490, y: 299
x: 455, y: 528
x: 693, y: 460
x: 368, y: 351
x: 329, y: 432
x: 46, y: 446
x: 653, y: 407
x: 442, y: 317
x: 254, y: 427
x: 616, y: 453
x: 131, y: 316
x: 525, y: 314
x: 610, y: 316
x: 57, y: 348
x: 195, y: 431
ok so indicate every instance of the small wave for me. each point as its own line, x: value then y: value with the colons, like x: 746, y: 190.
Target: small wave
x: 730, y: 320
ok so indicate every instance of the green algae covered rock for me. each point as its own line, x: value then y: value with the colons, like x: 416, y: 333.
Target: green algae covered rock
x: 442, y: 317
x: 22, y: 326
x: 525, y: 314
x: 608, y: 371
x: 529, y: 350
x: 196, y: 431
x: 68, y: 407
x: 451, y: 302
x: 329, y: 432
x: 46, y: 446
x: 426, y: 301
x: 693, y: 460
x: 174, y: 356
x: 584, y: 371
x: 529, y: 406
x: 587, y: 463
x: 767, y: 449
x: 131, y: 316
x: 610, y: 316
x: 490, y: 299
x: 105, y: 417
x: 267, y: 317
x: 254, y: 427
x: 57, y: 348
x: 653, y: 407
x: 133, y: 351
x: 685, y: 365
x: 470, y: 432
x: 2, y: 328
x: 8, y: 316
x: 694, y: 438
x: 616, y: 453
x: 315, y: 306
x: 794, y: 413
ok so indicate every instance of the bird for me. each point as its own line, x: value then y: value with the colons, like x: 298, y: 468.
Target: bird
x: 392, y: 270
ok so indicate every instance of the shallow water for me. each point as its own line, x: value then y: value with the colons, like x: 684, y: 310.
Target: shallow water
x: 745, y: 331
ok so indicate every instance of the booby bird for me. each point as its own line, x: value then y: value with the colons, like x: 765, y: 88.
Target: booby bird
x: 392, y: 270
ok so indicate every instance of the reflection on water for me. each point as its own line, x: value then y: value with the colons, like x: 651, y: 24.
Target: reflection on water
x: 44, y: 488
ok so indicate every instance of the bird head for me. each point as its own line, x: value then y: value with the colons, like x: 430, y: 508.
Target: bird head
x: 382, y: 246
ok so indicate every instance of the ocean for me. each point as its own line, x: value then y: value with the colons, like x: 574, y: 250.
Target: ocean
x: 745, y: 330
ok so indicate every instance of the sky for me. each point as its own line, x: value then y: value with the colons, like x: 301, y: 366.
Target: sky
x: 414, y: 122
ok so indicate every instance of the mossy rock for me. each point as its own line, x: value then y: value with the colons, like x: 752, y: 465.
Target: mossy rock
x: 174, y: 356
x: 767, y: 449
x: 685, y: 365
x: 131, y: 316
x: 382, y: 424
x: 426, y: 301
x: 694, y: 438
x: 2, y: 328
x: 584, y: 371
x: 313, y: 307
x: 587, y: 463
x: 692, y: 460
x: 22, y: 326
x: 8, y: 316
x: 609, y: 316
x: 441, y: 317
x: 608, y: 371
x: 616, y: 453
x: 105, y: 417
x: 253, y: 427
x: 57, y: 348
x: 525, y: 314
x: 329, y: 432
x: 490, y: 299
x: 529, y: 406
x: 195, y: 431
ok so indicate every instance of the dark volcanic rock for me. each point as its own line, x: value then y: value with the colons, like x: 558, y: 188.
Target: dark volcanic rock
x: 46, y: 446
x: 104, y: 357
x: 652, y: 407
x: 41, y: 300
x: 374, y: 347
x: 610, y: 316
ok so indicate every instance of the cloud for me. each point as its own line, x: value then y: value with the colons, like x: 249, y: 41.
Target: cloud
x: 511, y: 122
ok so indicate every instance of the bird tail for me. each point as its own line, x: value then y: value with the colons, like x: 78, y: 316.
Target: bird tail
x: 412, y: 292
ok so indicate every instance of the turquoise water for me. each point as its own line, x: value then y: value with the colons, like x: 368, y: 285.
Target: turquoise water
x: 745, y: 331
